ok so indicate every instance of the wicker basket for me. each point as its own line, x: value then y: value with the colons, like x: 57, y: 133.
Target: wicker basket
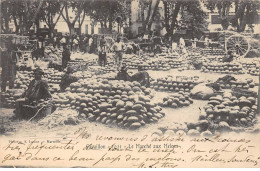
x: 36, y: 112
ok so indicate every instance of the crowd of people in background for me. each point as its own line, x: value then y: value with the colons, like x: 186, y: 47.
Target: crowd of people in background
x: 92, y: 44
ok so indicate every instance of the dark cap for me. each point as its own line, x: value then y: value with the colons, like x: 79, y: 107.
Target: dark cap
x: 38, y: 71
x: 69, y: 69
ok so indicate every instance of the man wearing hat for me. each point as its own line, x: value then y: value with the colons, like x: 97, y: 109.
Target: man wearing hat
x: 38, y: 88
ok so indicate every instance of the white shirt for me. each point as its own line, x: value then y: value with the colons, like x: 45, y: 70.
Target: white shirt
x: 119, y: 46
x: 63, y: 40
x: 75, y: 41
x: 90, y: 41
x: 182, y: 42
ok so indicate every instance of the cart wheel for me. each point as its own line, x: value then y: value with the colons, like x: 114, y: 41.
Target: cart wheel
x: 237, y: 44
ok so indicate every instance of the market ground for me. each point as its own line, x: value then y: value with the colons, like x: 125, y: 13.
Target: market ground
x: 181, y: 115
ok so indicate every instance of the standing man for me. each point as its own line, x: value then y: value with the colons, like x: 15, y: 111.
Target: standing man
x: 75, y: 44
x: 118, y: 48
x: 85, y: 44
x: 90, y: 43
x: 4, y: 64
x: 207, y: 41
x: 63, y: 41
x: 102, y: 55
x: 65, y: 56
x: 182, y: 43
x: 8, y: 63
x: 55, y: 41
x: 194, y: 42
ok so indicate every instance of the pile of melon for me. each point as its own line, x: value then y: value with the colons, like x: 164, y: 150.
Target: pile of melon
x: 174, y: 61
x: 173, y: 129
x: 251, y: 67
x: 245, y: 84
x: 53, y: 77
x: 97, y: 70
x: 199, y: 128
x: 149, y: 64
x: 177, y: 100
x: 9, y: 97
x: 248, y: 65
x: 23, y: 79
x: 224, y: 68
x: 214, y: 52
x: 174, y: 84
x: 81, y: 62
x: 125, y: 104
x: 254, y: 71
x: 52, y: 54
x: 231, y: 110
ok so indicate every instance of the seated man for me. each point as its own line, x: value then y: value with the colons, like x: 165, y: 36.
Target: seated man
x: 38, y: 90
x: 67, y: 79
x: 229, y: 57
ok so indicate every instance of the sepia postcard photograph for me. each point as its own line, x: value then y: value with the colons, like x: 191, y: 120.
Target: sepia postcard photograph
x: 130, y: 84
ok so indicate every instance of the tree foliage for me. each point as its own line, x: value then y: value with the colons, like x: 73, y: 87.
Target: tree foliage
x: 77, y: 8
x: 186, y: 15
x: 245, y: 10
x: 223, y: 8
x: 107, y: 11
x: 193, y: 18
x: 50, y: 13
x: 24, y: 13
x: 151, y: 6
x: 245, y: 13
x: 5, y: 16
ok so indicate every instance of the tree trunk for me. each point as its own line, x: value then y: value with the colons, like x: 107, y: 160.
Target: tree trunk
x: 21, y: 25
x: 79, y: 26
x: 72, y: 32
x: 166, y: 17
x: 174, y: 18
x: 142, y: 12
x: 243, y: 19
x: 110, y: 23
x: 51, y: 30
x: 147, y: 17
x: 7, y: 24
x: 153, y: 15
x: 81, y: 22
x: 224, y: 23
x: 239, y: 16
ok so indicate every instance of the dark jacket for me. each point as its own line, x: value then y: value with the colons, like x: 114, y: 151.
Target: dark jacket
x: 66, y: 80
x: 37, y: 89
